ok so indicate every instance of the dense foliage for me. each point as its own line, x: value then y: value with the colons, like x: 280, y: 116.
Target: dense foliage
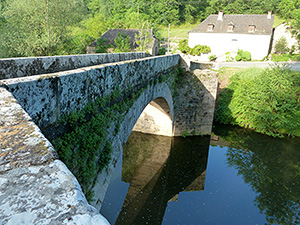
x: 267, y: 101
x: 52, y: 27
x: 122, y: 43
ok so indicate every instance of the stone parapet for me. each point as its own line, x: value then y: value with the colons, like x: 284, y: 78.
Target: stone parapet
x: 35, y: 187
x: 21, y: 67
x: 46, y: 98
x: 21, y: 141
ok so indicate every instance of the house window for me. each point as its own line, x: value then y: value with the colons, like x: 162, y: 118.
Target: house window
x: 230, y: 28
x: 251, y: 28
x: 210, y: 27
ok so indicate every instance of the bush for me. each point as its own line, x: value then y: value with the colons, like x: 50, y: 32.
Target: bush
x: 122, y: 42
x: 183, y: 46
x: 197, y: 50
x: 264, y: 100
x: 228, y: 57
x: 212, y: 57
x: 281, y: 46
x: 238, y: 57
x: 243, y: 55
x: 161, y: 51
x: 246, y: 56
x: 101, y: 45
x: 285, y: 57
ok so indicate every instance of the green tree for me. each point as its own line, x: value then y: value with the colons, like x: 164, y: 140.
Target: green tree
x: 164, y: 12
x: 102, y: 45
x: 290, y: 11
x: 38, y: 27
x: 144, y: 38
x: 281, y: 46
x: 242, y: 6
x: 122, y: 43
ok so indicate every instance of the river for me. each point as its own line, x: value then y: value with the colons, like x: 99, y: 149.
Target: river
x: 240, y: 177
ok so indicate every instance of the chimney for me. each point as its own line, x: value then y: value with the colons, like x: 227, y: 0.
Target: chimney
x: 220, y: 16
x: 269, y: 15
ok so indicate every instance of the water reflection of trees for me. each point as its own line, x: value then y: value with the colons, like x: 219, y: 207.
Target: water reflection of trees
x: 272, y: 168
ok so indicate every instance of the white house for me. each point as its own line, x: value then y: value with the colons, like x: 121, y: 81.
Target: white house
x: 228, y: 33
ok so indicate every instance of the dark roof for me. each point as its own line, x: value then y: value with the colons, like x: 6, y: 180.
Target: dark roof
x: 241, y: 22
x: 111, y: 34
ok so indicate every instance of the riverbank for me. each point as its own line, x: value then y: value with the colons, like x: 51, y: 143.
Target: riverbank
x: 266, y: 100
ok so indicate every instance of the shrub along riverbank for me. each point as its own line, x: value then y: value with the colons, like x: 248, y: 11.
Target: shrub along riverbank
x: 267, y: 101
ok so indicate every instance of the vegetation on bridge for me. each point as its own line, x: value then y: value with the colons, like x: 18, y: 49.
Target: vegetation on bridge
x: 85, y: 146
x: 267, y: 101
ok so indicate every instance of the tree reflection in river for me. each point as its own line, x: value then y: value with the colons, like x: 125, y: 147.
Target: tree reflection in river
x: 159, y: 168
x: 272, y: 168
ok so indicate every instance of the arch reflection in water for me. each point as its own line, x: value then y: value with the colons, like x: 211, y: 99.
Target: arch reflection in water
x: 158, y: 169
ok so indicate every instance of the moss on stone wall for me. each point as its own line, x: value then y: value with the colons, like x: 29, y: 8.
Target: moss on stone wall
x: 85, y: 146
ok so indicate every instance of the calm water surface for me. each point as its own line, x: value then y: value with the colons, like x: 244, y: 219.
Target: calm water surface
x: 242, y: 178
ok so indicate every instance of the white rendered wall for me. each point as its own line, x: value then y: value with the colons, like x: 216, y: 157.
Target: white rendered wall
x: 257, y: 45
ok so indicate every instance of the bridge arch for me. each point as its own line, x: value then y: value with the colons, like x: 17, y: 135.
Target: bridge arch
x: 156, y: 119
x: 158, y: 96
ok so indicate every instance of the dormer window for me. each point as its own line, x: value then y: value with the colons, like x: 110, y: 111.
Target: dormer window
x: 251, y: 28
x: 230, y: 27
x: 210, y: 27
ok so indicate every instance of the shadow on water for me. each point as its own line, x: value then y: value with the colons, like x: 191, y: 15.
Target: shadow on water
x: 158, y: 169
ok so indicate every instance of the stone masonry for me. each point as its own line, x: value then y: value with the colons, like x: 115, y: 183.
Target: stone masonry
x: 35, y: 186
x: 21, y: 67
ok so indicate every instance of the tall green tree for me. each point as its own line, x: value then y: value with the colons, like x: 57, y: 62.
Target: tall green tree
x: 38, y: 27
x: 242, y: 6
x: 164, y: 12
x: 290, y: 11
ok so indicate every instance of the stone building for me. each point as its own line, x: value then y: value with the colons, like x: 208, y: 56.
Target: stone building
x: 228, y: 33
x: 111, y: 34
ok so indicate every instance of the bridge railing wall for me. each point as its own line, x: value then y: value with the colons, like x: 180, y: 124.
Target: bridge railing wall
x: 20, y: 67
x: 48, y: 97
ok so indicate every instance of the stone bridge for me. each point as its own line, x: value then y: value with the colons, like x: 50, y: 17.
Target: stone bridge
x: 143, y: 93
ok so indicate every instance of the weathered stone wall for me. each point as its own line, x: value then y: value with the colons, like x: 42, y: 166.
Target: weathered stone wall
x: 35, y: 187
x: 42, y: 183
x: 48, y: 97
x: 21, y: 67
x: 194, y: 103
x: 29, y: 157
